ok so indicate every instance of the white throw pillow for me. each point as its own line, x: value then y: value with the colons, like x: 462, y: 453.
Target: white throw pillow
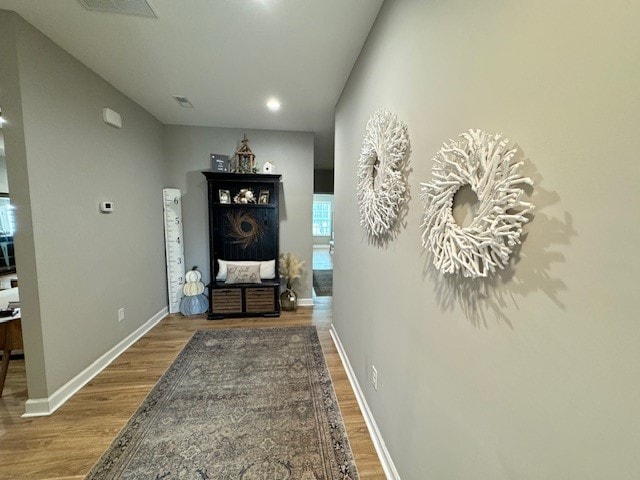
x: 268, y: 270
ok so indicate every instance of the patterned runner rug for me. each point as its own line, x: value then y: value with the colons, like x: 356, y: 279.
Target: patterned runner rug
x: 242, y: 404
x: 323, y: 283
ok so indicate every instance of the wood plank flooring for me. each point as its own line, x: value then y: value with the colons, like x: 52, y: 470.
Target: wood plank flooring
x: 66, y: 444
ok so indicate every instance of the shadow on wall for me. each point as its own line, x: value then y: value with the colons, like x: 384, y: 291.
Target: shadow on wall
x: 478, y: 298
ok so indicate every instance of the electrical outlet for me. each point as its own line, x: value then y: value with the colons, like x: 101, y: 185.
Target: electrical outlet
x: 374, y: 377
x: 121, y: 314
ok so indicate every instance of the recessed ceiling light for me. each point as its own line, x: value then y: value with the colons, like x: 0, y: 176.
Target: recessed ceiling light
x: 273, y: 104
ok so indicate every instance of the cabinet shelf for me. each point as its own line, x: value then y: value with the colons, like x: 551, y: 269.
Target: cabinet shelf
x: 245, y: 205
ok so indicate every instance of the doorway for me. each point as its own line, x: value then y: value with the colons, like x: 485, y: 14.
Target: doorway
x: 323, y: 245
x: 10, y: 318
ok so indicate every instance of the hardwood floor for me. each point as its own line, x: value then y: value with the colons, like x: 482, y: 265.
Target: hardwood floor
x: 66, y: 444
x: 322, y: 258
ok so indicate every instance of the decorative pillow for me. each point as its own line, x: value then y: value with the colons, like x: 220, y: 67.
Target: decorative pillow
x: 243, y: 274
x: 267, y: 268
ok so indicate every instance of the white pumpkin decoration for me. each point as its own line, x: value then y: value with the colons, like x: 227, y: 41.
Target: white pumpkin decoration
x: 191, y: 289
x: 193, y: 286
x: 193, y: 275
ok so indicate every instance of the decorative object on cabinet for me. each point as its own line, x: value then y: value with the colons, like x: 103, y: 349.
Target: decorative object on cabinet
x: 291, y: 268
x: 268, y: 168
x: 245, y: 229
x: 243, y: 274
x: 219, y: 163
x: 267, y: 269
x: 245, y: 195
x: 483, y: 162
x: 194, y: 302
x: 246, y: 158
x: 242, y: 234
x: 224, y: 196
x: 381, y: 177
x: 263, y: 198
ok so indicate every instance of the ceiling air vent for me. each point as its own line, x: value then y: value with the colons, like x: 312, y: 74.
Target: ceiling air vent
x: 127, y: 7
x: 183, y: 101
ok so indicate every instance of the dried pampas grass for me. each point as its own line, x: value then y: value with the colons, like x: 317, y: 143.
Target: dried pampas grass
x: 290, y: 267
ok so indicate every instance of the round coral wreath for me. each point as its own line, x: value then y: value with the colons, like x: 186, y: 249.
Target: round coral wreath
x: 483, y: 162
x: 381, y: 180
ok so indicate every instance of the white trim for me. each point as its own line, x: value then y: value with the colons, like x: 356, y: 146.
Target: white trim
x: 38, y: 407
x: 378, y: 442
x: 305, y: 302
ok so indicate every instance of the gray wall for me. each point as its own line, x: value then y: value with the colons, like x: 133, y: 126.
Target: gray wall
x: 536, y: 377
x: 187, y: 151
x: 4, y: 182
x: 323, y: 181
x: 77, y: 267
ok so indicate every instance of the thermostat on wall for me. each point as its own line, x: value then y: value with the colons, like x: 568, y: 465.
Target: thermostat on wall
x: 106, y: 207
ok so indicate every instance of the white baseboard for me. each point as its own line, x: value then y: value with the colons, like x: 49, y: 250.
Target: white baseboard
x: 305, y: 302
x: 38, y: 407
x: 378, y: 442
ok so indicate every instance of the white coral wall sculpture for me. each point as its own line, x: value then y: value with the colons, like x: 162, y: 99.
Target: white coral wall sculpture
x: 483, y: 162
x: 381, y: 179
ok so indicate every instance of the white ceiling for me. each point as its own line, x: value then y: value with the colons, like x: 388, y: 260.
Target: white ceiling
x: 226, y: 56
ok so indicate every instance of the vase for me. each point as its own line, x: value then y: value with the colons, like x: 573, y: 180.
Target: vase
x: 288, y: 300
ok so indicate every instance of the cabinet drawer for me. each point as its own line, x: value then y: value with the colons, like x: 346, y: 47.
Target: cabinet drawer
x: 260, y: 299
x: 227, y: 300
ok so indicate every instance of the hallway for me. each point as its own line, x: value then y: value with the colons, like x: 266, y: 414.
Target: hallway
x: 322, y: 259
x: 66, y: 444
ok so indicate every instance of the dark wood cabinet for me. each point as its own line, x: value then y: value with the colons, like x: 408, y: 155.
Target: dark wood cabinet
x: 243, y: 232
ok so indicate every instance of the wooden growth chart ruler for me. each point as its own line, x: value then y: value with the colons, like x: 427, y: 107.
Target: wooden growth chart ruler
x: 174, y: 246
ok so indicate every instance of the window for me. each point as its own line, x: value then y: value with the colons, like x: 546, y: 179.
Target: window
x: 321, y: 219
x: 7, y: 219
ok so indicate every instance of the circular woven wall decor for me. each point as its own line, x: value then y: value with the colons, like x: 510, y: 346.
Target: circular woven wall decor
x: 483, y: 162
x: 245, y: 229
x: 381, y: 180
